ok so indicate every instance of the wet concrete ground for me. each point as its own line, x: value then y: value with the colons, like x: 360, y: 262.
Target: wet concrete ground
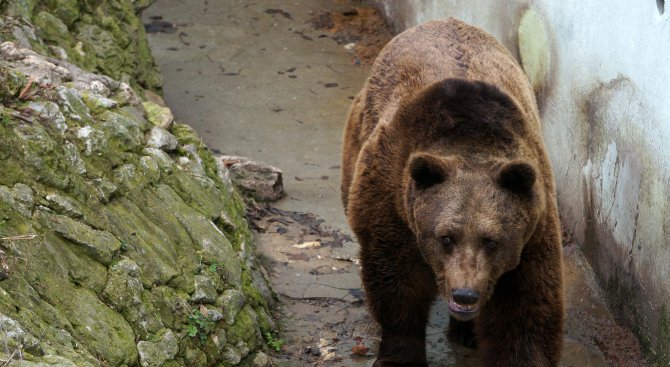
x: 269, y: 80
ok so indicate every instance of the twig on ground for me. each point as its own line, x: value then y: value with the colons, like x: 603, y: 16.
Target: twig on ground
x: 9, y: 360
x: 24, y: 92
x: 21, y: 237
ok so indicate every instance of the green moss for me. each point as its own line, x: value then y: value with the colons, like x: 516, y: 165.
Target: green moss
x: 254, y: 297
x: 66, y: 10
x: 186, y: 135
x: 245, y: 329
x: 31, y: 154
x: 231, y: 204
x: 264, y: 320
x: 112, y: 39
x: 40, y: 154
x: 148, y: 244
x: 73, y: 106
x: 147, y: 73
x: 21, y: 8
x: 663, y: 339
x: 161, y: 203
x: 170, y: 304
x: 99, y: 245
x: 53, y: 29
x: 11, y: 83
x: 199, y: 193
x: 175, y: 363
x: 82, y: 271
x: 158, y: 115
x: 125, y: 134
x: 47, y: 267
x: 125, y: 293
x: 162, y: 348
x: 195, y: 357
x: 102, y: 45
x: 237, y: 229
x: 113, y: 26
x: 102, y: 201
x: 102, y: 331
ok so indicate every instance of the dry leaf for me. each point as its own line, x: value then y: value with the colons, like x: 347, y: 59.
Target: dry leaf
x: 204, y: 311
x: 359, y: 350
x: 309, y: 244
x: 26, y: 88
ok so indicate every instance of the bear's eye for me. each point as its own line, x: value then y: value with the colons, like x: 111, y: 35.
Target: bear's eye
x: 447, y: 241
x: 489, y: 244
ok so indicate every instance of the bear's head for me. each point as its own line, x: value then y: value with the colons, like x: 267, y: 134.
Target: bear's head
x: 469, y: 198
x: 471, y: 225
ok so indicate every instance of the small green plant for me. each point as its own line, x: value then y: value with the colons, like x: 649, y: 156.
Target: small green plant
x: 192, y: 330
x: 274, y: 344
x: 199, y: 326
x: 125, y: 246
x: 210, y: 265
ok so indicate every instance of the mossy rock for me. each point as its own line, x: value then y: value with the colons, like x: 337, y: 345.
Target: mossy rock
x: 73, y: 105
x: 21, y: 8
x: 109, y: 58
x: 245, y: 329
x: 160, y: 116
x: 11, y: 83
x: 66, y: 10
x: 123, y: 241
x: 52, y: 29
x: 125, y: 293
x: 156, y: 354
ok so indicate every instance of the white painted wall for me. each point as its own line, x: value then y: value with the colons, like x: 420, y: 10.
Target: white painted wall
x: 605, y: 104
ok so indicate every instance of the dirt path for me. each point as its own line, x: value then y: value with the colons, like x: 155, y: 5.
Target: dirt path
x: 315, y: 269
x: 273, y: 80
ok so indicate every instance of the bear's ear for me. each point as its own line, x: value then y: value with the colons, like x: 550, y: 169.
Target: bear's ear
x: 427, y: 170
x: 517, y: 176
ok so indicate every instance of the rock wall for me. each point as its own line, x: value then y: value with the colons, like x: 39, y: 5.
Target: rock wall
x: 122, y: 241
x: 103, y: 36
x: 600, y: 75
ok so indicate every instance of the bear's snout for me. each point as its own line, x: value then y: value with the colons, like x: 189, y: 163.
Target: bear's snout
x: 464, y: 303
x: 465, y: 296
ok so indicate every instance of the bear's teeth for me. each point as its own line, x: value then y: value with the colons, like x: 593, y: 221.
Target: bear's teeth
x: 466, y: 307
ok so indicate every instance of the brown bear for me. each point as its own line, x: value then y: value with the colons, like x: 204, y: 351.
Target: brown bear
x: 449, y: 190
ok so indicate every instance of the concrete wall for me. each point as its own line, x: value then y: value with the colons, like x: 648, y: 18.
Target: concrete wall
x: 601, y: 71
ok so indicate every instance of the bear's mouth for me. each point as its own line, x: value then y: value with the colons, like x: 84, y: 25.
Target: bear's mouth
x: 463, y: 312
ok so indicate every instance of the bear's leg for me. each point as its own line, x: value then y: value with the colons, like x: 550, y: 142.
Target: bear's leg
x: 522, y: 324
x: 462, y: 332
x: 399, y: 294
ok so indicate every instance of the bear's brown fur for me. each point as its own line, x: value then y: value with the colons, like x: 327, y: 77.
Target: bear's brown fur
x: 449, y: 190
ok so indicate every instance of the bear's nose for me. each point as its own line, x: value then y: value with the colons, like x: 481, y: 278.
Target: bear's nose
x: 465, y: 296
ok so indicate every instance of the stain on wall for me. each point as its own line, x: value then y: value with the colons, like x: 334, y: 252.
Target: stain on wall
x: 627, y: 209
